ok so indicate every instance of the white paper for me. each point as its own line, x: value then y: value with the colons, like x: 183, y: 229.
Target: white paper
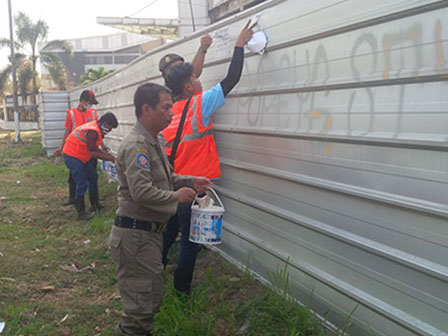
x: 221, y: 42
x: 258, y: 42
x: 2, y: 326
x: 255, y: 19
x: 204, y: 202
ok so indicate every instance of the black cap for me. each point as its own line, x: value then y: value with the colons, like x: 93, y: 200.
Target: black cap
x: 89, y: 96
x: 167, y: 60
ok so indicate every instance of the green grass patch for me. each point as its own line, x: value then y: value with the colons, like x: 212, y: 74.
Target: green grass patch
x: 57, y: 277
x: 31, y: 147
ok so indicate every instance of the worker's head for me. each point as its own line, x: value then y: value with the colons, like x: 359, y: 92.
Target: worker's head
x: 181, y: 79
x: 169, y: 61
x: 153, y: 104
x: 107, y: 122
x: 87, y: 99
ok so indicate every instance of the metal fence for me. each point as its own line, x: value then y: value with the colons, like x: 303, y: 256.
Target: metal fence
x: 334, y: 154
x: 53, y: 107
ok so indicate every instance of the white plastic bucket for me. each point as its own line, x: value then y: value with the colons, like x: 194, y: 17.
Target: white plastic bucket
x: 206, y: 223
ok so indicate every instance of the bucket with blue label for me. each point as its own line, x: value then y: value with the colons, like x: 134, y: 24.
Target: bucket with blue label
x: 206, y: 221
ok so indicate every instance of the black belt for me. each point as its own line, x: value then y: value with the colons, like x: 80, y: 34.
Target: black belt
x: 131, y: 223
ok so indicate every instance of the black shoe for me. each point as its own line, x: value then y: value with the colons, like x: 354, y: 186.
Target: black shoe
x: 71, y: 194
x: 182, y: 280
x: 95, y: 201
x: 81, y: 209
x: 69, y: 202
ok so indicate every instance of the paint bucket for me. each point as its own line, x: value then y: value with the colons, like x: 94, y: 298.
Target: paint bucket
x: 206, y: 223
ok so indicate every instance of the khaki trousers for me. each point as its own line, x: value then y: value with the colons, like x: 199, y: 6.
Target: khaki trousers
x: 138, y: 255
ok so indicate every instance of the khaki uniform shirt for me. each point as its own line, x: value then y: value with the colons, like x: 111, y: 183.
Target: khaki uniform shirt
x: 146, y: 180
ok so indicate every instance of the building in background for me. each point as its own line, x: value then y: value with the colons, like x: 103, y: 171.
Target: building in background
x: 111, y: 52
x: 193, y: 15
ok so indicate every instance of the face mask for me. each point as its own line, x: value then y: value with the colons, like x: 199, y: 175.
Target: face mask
x: 105, y: 129
x: 87, y: 106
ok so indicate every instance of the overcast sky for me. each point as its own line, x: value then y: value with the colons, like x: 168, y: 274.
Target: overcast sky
x: 77, y: 18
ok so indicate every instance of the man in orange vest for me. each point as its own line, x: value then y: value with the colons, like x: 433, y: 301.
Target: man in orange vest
x: 76, y: 117
x: 196, y: 152
x: 80, y: 147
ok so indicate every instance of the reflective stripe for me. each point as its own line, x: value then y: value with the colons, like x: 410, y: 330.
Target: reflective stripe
x: 95, y: 116
x: 194, y: 121
x: 194, y: 124
x: 72, y: 114
x: 88, y: 127
x: 197, y: 135
x: 84, y: 128
x: 78, y: 136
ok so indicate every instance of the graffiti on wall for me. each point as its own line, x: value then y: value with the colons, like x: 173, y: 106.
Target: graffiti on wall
x: 372, y: 56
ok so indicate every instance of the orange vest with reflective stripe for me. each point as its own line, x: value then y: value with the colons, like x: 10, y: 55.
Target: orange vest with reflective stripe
x: 76, y: 143
x: 196, y: 154
x: 80, y: 118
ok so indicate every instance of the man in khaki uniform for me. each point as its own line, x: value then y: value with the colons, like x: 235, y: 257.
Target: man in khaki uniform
x: 148, y: 195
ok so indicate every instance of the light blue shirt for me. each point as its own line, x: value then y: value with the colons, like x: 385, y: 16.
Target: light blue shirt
x: 212, y: 100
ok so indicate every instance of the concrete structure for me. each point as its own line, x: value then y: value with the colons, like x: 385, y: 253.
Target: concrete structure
x: 193, y: 15
x: 162, y: 28
x: 334, y: 154
x: 220, y: 9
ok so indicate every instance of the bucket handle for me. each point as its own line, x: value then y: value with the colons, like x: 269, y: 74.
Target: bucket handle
x: 216, y: 197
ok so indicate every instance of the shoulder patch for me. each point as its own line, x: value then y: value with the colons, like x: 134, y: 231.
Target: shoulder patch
x: 142, y: 150
x: 142, y: 161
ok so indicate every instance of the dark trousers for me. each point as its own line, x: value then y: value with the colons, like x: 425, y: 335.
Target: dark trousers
x: 71, y: 180
x: 188, y: 250
x: 84, y: 174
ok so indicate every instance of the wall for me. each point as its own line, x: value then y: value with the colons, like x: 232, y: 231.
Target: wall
x: 53, y: 108
x: 334, y: 154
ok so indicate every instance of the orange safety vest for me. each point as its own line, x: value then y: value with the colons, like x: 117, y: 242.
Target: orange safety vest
x: 196, y: 154
x: 79, y: 118
x: 76, y: 143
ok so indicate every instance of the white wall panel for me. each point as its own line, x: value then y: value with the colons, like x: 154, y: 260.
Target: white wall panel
x: 334, y: 154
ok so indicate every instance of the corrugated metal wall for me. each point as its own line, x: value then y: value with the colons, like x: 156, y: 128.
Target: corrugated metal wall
x: 52, y: 109
x: 334, y: 154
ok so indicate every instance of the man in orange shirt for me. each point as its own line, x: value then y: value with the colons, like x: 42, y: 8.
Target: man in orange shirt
x: 76, y: 117
x: 79, y: 148
x: 196, y: 152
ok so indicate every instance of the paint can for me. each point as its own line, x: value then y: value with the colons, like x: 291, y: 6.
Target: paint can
x: 206, y: 223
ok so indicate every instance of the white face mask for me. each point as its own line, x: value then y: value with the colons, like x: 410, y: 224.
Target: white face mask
x: 105, y: 128
x: 87, y: 106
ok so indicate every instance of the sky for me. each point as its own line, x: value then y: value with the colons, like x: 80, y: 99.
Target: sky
x: 77, y: 18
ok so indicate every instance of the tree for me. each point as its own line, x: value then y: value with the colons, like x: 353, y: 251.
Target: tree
x: 7, y: 70
x: 24, y: 75
x: 94, y: 74
x: 29, y: 34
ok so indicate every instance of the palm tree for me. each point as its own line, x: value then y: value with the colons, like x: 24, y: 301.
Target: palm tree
x: 94, y: 74
x: 50, y: 59
x: 6, y: 71
x: 29, y: 34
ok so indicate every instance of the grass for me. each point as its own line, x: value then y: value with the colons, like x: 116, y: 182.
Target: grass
x: 57, y: 277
